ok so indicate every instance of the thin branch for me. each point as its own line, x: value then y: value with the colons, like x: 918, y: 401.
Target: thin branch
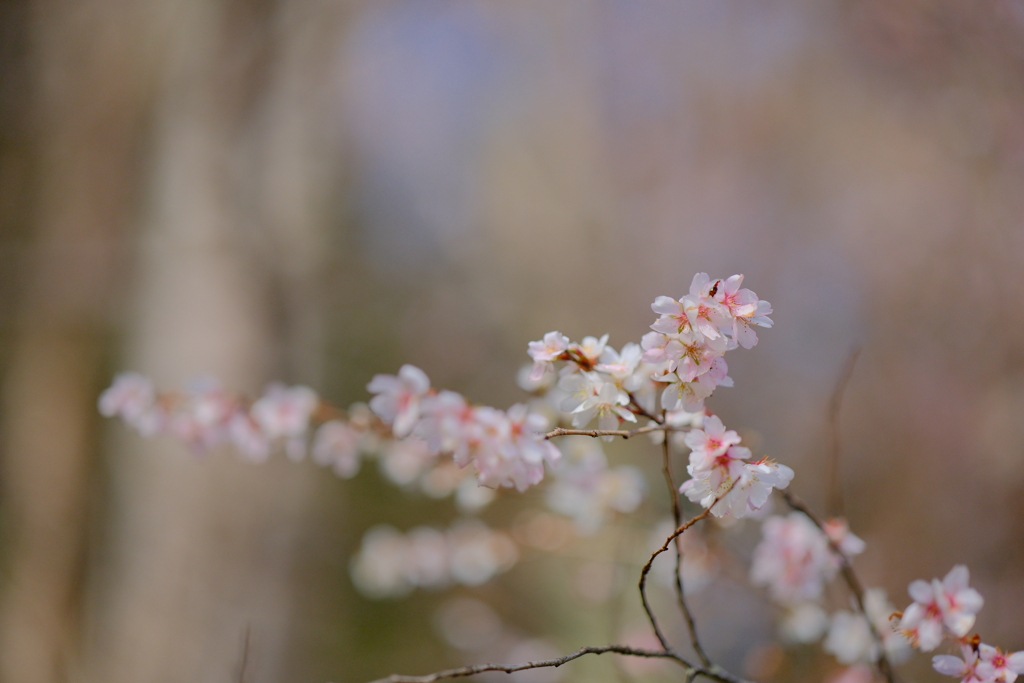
x: 640, y: 410
x: 850, y: 577
x: 512, y: 668
x: 624, y: 433
x: 647, y: 569
x: 677, y: 516
x: 835, y: 403
x: 710, y: 671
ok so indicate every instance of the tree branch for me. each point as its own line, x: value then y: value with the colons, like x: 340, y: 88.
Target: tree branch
x: 624, y: 433
x: 511, y: 668
x: 850, y: 577
x: 677, y: 516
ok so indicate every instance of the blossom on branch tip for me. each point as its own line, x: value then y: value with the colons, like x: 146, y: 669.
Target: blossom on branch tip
x: 793, y: 559
x: 132, y: 397
x: 545, y: 352
x: 950, y: 604
x: 998, y: 666
x: 397, y: 399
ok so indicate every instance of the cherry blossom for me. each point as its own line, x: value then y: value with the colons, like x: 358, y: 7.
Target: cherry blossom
x: 838, y: 531
x: 337, y: 444
x: 621, y: 367
x: 999, y: 667
x: 132, y: 397
x: 545, y: 352
x: 739, y: 302
x: 851, y: 640
x: 965, y: 669
x: 285, y: 412
x: 710, y: 442
x: 390, y: 564
x: 590, y: 350
x: 949, y: 604
x: 607, y: 405
x: 704, y: 312
x: 793, y: 559
x: 397, y: 399
x: 720, y: 472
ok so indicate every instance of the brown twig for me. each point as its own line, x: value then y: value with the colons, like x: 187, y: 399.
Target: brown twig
x: 835, y: 403
x: 851, y: 580
x: 512, y: 668
x: 624, y: 433
x: 244, y: 662
x: 677, y: 516
x: 638, y: 409
x: 711, y: 671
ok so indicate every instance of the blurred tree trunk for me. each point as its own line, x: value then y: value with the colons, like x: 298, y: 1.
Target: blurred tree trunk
x: 151, y: 105
x: 197, y: 584
x: 82, y: 123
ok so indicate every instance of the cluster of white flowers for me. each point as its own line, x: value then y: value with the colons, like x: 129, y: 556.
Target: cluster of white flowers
x: 588, y: 490
x: 685, y: 350
x: 720, y: 472
x: 391, y: 564
x: 945, y: 611
x: 507, y: 448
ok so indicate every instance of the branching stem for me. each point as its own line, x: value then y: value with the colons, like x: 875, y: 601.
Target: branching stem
x: 677, y: 516
x: 850, y: 577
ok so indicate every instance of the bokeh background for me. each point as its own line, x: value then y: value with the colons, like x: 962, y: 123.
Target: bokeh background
x: 319, y: 191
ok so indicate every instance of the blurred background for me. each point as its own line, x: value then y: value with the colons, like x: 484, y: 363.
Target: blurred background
x: 316, y: 192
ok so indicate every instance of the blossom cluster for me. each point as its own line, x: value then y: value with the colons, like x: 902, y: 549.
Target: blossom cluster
x: 391, y: 563
x: 205, y: 415
x: 721, y: 476
x: 683, y: 355
x: 506, y: 448
x: 945, y: 611
x: 795, y: 560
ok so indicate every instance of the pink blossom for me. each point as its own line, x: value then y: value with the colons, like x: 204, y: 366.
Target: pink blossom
x: 673, y: 319
x: 999, y: 667
x: 337, y: 444
x: 248, y: 438
x: 793, y: 559
x: 397, y: 399
x: 606, y: 405
x: 688, y: 396
x: 838, y: 531
x: 590, y: 349
x: 708, y: 443
x: 284, y: 411
x: 965, y: 669
x: 742, y: 333
x: 705, y: 314
x: 950, y: 603
x: 739, y: 302
x: 545, y: 352
x: 132, y: 397
x: 622, y: 366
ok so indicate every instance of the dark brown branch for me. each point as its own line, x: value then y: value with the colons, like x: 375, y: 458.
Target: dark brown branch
x: 635, y: 407
x: 677, y: 516
x: 647, y: 570
x: 511, y: 668
x: 710, y: 671
x: 835, y: 403
x: 851, y: 580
